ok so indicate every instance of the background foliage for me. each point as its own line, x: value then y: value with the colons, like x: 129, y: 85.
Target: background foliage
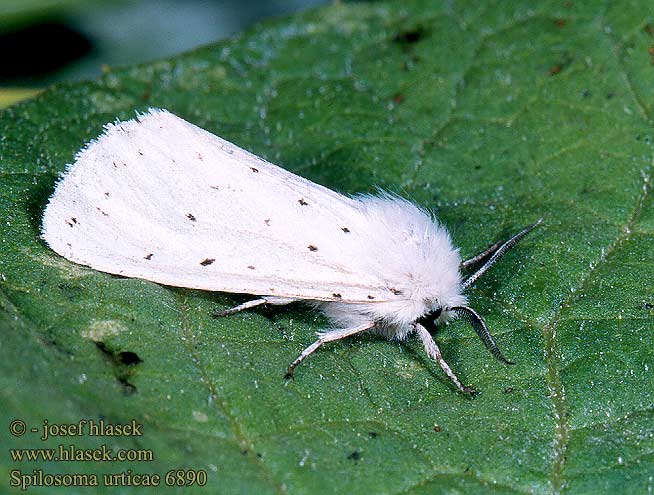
x: 493, y: 115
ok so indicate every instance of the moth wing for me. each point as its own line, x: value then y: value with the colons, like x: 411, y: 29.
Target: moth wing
x: 160, y: 199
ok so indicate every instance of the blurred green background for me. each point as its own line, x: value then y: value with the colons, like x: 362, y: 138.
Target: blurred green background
x: 47, y: 41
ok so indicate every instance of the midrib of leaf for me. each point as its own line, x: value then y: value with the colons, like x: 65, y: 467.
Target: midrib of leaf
x: 552, y: 358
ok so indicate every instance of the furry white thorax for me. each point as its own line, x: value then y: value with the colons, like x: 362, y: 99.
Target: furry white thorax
x: 408, y: 248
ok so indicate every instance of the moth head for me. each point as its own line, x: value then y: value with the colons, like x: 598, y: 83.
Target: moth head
x: 442, y: 312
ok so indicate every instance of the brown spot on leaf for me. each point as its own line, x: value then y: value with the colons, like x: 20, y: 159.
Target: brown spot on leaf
x: 398, y: 98
x: 554, y: 70
x: 207, y: 261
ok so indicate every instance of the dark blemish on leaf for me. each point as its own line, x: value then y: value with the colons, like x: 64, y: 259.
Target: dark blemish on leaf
x: 267, y: 222
x: 259, y: 456
x: 395, y: 291
x: 207, y: 261
x: 370, y: 297
x: 610, y: 95
x: 244, y: 452
x: 191, y: 217
x: 199, y: 157
x: 554, y: 70
x: 398, y: 98
x: 508, y: 390
x: 373, y: 434
x: 410, y: 36
x: 250, y: 267
x: 129, y: 358
x: 354, y: 456
x: 255, y: 170
x: 566, y: 60
x: 586, y: 93
x: 122, y: 361
x: 312, y: 247
x: 437, y: 428
x: 345, y: 229
x: 148, y: 257
x: 336, y: 295
x: 302, y: 202
x: 560, y: 22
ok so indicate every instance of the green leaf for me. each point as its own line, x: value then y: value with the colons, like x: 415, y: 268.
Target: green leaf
x: 494, y: 115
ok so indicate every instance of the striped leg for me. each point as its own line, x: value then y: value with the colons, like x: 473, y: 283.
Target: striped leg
x: 253, y: 304
x: 330, y: 336
x: 435, y: 353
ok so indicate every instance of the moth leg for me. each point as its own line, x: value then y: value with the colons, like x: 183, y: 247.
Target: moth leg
x: 280, y: 301
x: 479, y: 257
x: 435, y: 353
x: 324, y: 337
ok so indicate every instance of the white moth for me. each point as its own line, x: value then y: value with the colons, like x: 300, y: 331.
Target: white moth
x: 160, y: 199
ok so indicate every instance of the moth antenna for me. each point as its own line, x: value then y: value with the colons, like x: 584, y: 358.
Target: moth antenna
x: 478, y: 323
x: 498, y: 254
